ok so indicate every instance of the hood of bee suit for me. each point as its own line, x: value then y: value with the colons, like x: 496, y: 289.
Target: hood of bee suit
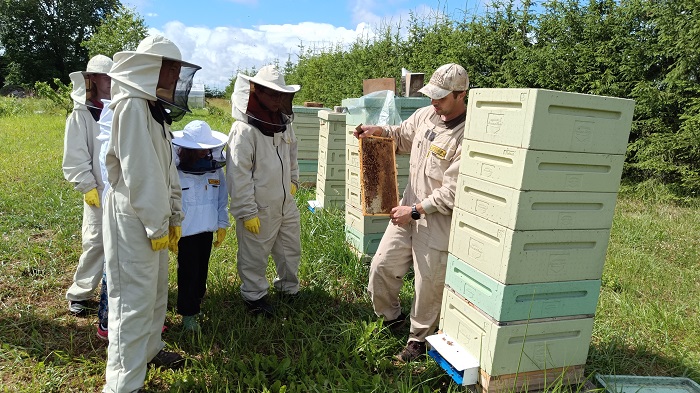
x: 135, y: 74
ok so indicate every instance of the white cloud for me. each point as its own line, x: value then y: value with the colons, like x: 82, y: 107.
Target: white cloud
x: 221, y: 51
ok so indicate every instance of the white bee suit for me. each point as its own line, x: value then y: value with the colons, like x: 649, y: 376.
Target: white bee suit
x: 259, y: 172
x: 144, y: 200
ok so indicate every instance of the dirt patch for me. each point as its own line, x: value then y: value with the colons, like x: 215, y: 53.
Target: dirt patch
x: 379, y: 185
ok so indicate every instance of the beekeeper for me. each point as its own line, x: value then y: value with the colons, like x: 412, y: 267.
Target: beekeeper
x: 420, y: 226
x: 143, y: 207
x: 262, y: 177
x: 81, y: 167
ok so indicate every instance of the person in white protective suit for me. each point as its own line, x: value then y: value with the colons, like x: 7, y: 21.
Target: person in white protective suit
x: 143, y: 208
x: 81, y: 167
x: 262, y: 175
x: 420, y: 226
x: 204, y: 200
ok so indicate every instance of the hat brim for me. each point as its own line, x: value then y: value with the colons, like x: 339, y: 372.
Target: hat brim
x: 434, y: 92
x: 271, y: 85
x: 131, y: 53
x: 218, y: 139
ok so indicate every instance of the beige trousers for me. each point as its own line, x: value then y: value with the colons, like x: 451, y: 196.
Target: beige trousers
x: 88, y: 274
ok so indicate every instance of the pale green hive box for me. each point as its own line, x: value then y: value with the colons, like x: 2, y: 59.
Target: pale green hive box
x: 330, y: 172
x: 352, y: 196
x: 521, y: 257
x: 515, y: 348
x: 366, y: 110
x: 307, y: 171
x: 352, y: 155
x: 350, y: 139
x: 331, y: 201
x: 332, y: 188
x: 541, y: 170
x: 541, y: 119
x: 331, y: 157
x: 535, y: 210
x: 332, y: 130
x: 518, y: 302
x: 352, y: 176
x: 367, y: 243
x: 364, y: 224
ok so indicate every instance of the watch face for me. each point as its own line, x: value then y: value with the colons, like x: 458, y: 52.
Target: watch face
x: 415, y: 214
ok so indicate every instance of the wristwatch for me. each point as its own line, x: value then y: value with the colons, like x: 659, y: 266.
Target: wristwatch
x: 414, y: 212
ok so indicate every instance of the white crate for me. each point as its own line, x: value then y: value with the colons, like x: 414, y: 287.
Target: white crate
x: 549, y: 120
x: 519, y: 257
x: 541, y: 170
x: 535, y: 210
x: 516, y: 348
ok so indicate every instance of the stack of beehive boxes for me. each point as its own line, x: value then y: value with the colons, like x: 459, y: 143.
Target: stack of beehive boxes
x: 536, y: 193
x: 330, y: 180
x: 306, y: 127
x: 363, y: 233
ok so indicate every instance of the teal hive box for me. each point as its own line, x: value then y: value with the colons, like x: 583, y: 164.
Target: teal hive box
x: 366, y: 243
x: 366, y: 110
x: 517, y: 302
x: 515, y: 348
x: 307, y: 171
x: 535, y: 210
x: 522, y: 257
x: 541, y: 119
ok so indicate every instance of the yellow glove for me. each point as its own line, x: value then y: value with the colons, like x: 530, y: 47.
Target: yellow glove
x: 252, y: 225
x: 174, y: 235
x: 219, y: 236
x: 159, y: 244
x: 92, y: 198
x: 293, y: 189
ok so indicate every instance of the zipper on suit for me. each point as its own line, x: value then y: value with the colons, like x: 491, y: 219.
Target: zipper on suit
x: 284, y: 190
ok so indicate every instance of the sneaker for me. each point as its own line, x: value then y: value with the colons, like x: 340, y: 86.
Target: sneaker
x: 260, y: 307
x: 395, y: 325
x: 102, y: 332
x: 415, y: 350
x: 165, y: 359
x: 77, y: 307
x: 189, y: 322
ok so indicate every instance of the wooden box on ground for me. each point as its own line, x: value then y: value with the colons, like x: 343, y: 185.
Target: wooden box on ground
x: 535, y: 210
x: 549, y: 120
x: 517, y: 347
x: 519, y: 257
x: 516, y: 302
x: 541, y: 380
x: 378, y: 176
x: 541, y: 170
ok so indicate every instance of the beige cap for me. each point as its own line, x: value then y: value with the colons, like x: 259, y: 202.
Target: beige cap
x: 447, y: 78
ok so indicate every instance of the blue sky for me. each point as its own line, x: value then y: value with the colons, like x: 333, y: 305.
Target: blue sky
x: 224, y: 36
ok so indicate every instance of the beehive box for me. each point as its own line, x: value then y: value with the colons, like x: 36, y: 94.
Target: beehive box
x: 331, y: 201
x: 332, y: 188
x: 520, y: 257
x: 364, y: 224
x: 366, y: 110
x: 352, y: 175
x: 535, y: 210
x: 515, y: 302
x: 352, y: 196
x: 507, y: 349
x: 378, y: 182
x: 332, y: 130
x: 306, y: 128
x: 366, y: 243
x: 331, y: 157
x: 330, y: 172
x: 308, y: 170
x: 350, y: 139
x: 541, y: 170
x: 549, y: 120
x: 352, y: 156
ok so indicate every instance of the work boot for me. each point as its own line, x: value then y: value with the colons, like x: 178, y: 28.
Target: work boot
x: 165, y: 359
x: 415, y: 350
x: 260, y: 307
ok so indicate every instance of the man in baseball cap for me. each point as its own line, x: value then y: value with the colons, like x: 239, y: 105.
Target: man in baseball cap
x: 420, y: 226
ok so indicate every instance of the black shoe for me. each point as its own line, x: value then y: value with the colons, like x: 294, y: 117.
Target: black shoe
x: 78, y: 307
x: 260, y: 307
x: 286, y: 297
x: 395, y: 325
x: 415, y: 350
x: 164, y: 359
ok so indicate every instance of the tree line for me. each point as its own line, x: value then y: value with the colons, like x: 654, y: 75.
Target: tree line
x: 646, y: 50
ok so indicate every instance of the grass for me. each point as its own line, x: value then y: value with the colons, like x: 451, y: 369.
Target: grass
x: 647, y: 321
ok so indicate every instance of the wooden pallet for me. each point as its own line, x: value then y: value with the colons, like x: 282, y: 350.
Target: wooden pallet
x: 530, y: 381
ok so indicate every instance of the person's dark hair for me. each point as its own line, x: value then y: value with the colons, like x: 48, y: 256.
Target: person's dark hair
x: 187, y: 156
x: 456, y: 93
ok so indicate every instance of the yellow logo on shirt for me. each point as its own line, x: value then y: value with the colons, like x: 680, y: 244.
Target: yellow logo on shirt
x: 214, y: 181
x: 439, y: 152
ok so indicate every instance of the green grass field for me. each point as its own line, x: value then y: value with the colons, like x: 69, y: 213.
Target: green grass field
x: 647, y: 321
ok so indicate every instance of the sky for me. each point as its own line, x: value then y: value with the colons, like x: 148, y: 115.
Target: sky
x: 224, y: 36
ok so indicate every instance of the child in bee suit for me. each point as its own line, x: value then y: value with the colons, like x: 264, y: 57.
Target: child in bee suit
x: 262, y: 175
x: 143, y: 208
x: 204, y: 200
x: 81, y: 167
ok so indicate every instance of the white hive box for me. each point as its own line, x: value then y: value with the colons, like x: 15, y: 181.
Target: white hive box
x: 331, y: 157
x: 307, y: 129
x: 332, y: 130
x: 330, y: 172
x: 352, y: 176
x: 329, y: 202
x: 332, y: 188
x: 516, y: 348
x: 541, y: 170
x: 350, y: 139
x: 535, y: 210
x: 519, y: 257
x: 352, y: 155
x: 352, y: 196
x: 549, y: 120
x: 364, y: 224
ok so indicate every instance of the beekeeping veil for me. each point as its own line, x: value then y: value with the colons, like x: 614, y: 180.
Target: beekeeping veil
x: 253, y: 96
x: 141, y: 74
x: 82, y: 87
